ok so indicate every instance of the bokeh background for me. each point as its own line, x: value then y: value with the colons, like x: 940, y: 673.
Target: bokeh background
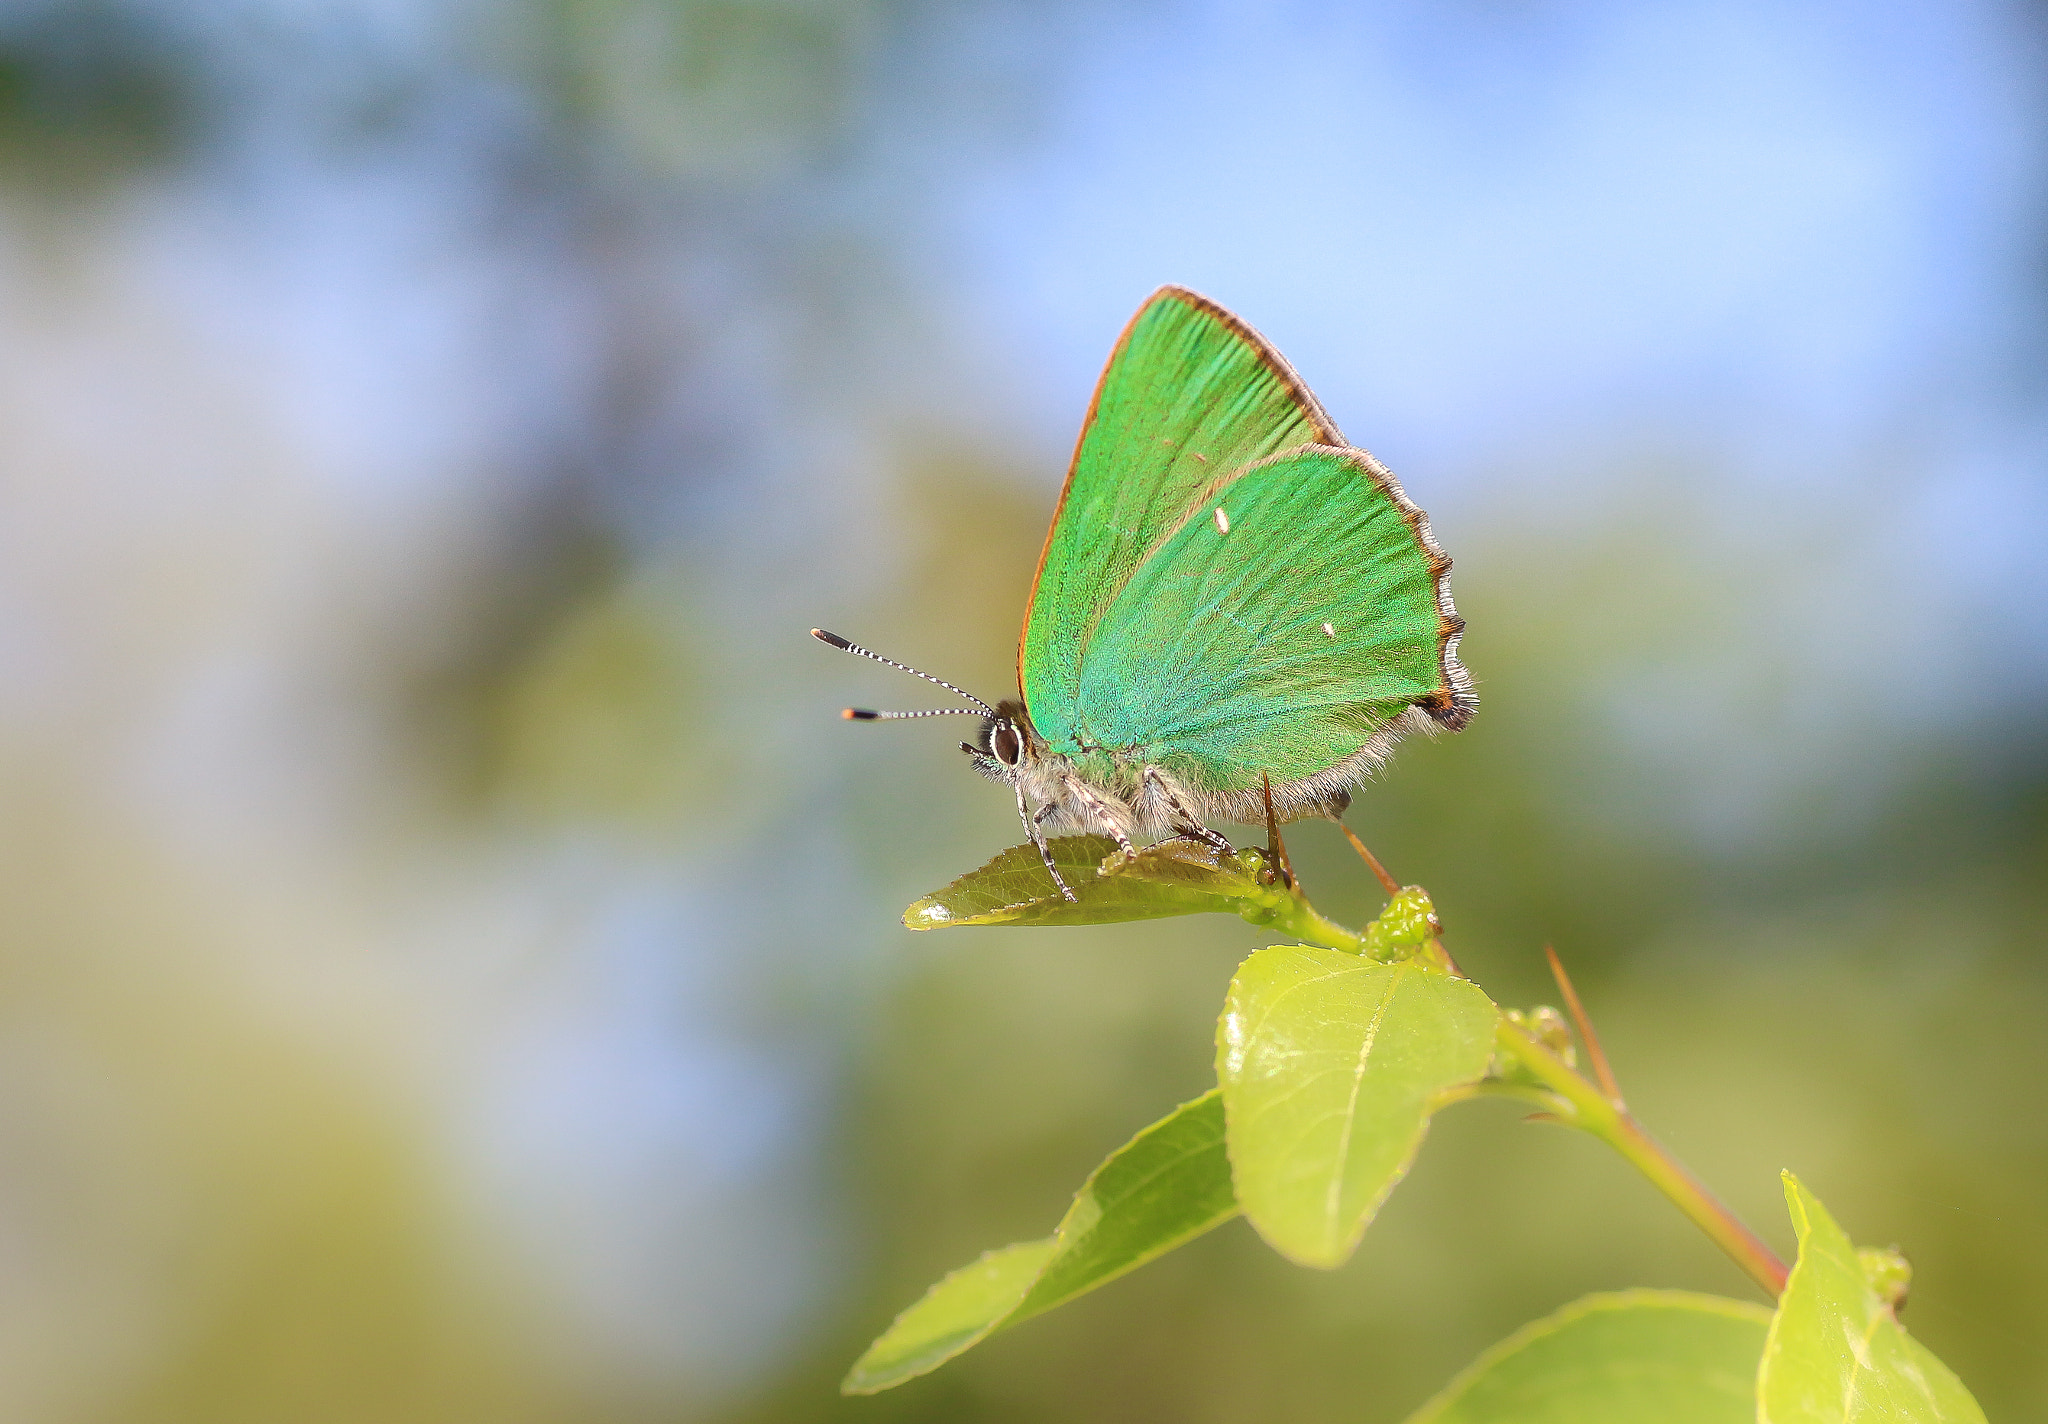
x: 449, y: 965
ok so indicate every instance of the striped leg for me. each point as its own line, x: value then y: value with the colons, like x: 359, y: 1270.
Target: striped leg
x: 1094, y: 803
x: 1188, y: 823
x: 1038, y: 839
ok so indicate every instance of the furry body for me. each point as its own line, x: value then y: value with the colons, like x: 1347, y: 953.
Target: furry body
x: 1233, y: 603
x: 1117, y: 793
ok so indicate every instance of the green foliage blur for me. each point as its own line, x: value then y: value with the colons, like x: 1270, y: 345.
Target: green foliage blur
x: 450, y: 944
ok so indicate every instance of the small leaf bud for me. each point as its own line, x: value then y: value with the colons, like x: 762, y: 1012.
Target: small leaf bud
x: 1403, y: 927
x: 1550, y: 1029
x: 1888, y: 1273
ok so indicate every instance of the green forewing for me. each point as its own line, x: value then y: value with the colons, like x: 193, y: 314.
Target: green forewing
x: 1276, y: 640
x: 1189, y: 398
x: 1161, y: 633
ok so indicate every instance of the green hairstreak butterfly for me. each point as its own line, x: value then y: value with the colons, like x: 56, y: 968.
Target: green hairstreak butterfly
x: 1232, y: 602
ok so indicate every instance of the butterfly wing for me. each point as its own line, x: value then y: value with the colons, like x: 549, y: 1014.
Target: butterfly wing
x: 1191, y: 397
x: 1281, y: 638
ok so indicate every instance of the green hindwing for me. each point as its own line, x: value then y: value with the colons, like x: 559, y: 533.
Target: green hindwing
x: 1275, y: 638
x: 1190, y: 397
x: 1229, y: 591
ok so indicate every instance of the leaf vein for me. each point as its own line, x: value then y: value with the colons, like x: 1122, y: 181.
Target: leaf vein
x: 1334, y: 1194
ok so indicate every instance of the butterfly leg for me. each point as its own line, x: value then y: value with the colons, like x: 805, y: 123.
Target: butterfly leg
x: 1184, y: 821
x: 1103, y: 815
x: 1038, y: 839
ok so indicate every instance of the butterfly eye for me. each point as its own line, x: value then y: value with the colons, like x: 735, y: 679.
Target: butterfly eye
x: 1006, y: 744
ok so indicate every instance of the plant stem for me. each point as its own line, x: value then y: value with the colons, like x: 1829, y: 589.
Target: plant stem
x: 1595, y: 1054
x: 1574, y: 1101
x: 1285, y: 909
x: 1582, y: 1105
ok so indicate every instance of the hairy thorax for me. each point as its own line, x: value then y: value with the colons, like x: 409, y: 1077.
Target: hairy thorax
x: 1120, y: 794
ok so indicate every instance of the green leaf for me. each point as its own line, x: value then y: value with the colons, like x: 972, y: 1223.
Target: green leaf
x: 1164, y: 1187
x: 960, y: 1311
x: 1330, y: 1066
x: 1630, y: 1357
x: 1175, y: 877
x: 1836, y: 1352
x: 1186, y: 864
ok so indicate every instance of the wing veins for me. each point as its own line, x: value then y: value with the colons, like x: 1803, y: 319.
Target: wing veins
x: 1204, y: 498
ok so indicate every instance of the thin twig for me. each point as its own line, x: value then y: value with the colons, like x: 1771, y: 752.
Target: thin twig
x: 1581, y: 1104
x: 1601, y: 1072
x: 1387, y: 882
x: 1276, y: 849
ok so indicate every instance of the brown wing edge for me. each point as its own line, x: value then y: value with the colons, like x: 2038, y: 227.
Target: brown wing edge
x: 1269, y: 356
x: 1447, y: 709
x: 1454, y: 701
x: 1452, y: 704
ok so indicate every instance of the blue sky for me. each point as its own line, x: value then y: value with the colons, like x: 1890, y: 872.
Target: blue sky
x: 1769, y: 229
x: 1526, y: 253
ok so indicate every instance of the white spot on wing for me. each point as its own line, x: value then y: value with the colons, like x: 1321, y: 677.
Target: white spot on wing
x: 1222, y: 521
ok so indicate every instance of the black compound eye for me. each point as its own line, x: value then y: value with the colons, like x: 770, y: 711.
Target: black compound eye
x: 1007, y: 745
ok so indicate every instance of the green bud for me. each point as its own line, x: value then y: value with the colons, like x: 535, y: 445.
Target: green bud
x: 1888, y: 1272
x: 1550, y: 1029
x: 1408, y: 923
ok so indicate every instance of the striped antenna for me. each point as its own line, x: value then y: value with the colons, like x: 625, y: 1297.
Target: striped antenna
x: 862, y: 714
x: 869, y: 714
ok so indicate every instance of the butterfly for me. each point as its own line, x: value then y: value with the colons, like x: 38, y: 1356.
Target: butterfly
x: 1234, y: 608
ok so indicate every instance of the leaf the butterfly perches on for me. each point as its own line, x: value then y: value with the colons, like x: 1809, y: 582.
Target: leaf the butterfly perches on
x: 1175, y: 877
x: 1230, y: 599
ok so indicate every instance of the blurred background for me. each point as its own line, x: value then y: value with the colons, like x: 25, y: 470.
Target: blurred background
x: 449, y: 958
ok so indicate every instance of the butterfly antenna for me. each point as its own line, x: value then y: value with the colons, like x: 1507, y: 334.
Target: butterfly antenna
x: 863, y: 714
x: 869, y: 714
